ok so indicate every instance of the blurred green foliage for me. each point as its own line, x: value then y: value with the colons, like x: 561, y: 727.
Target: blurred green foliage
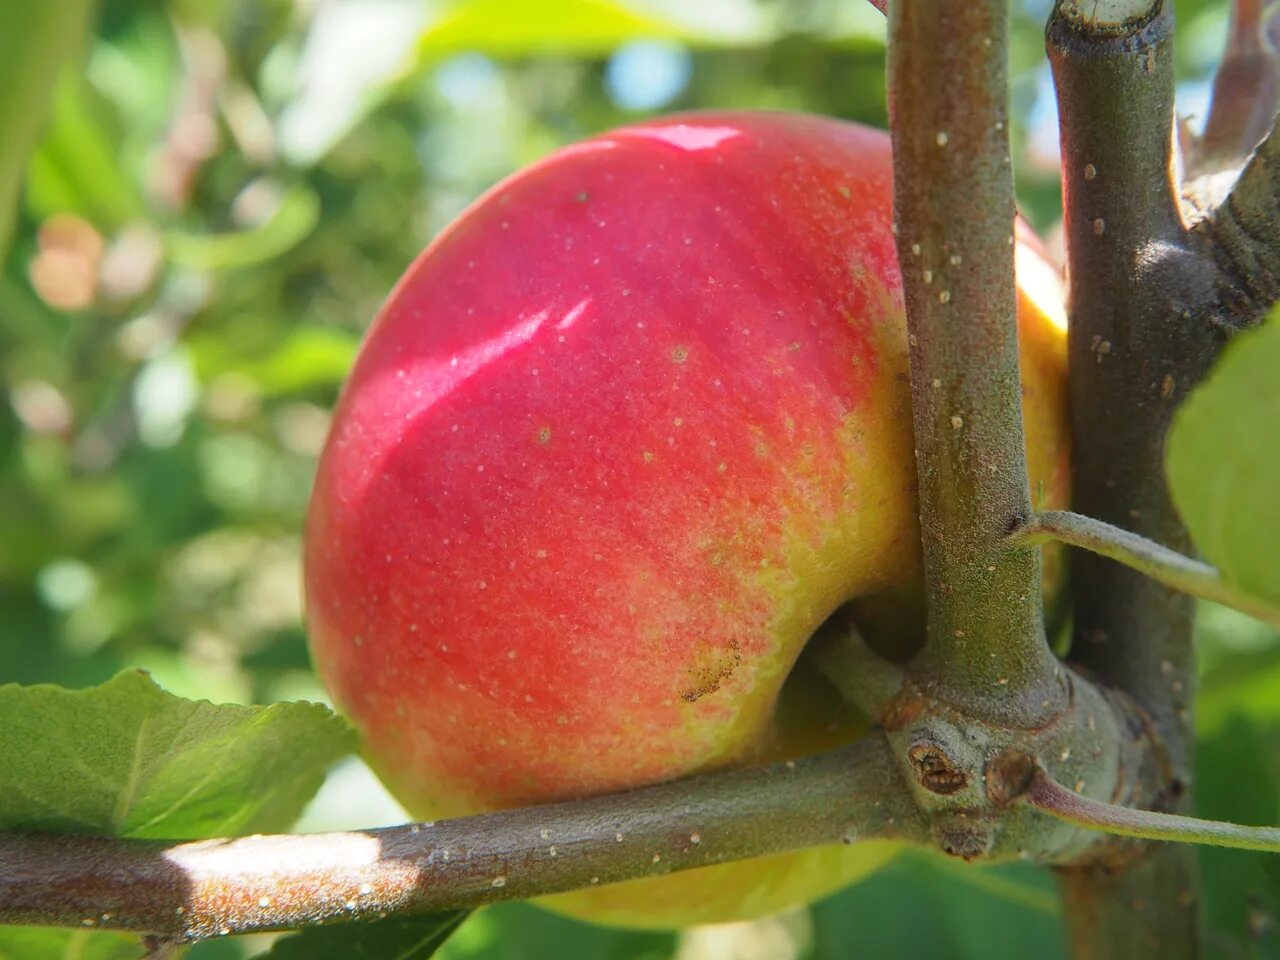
x: 223, y: 193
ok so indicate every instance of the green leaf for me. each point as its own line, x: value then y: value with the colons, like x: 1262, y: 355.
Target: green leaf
x: 522, y: 931
x: 1223, y: 463
x: 48, y: 943
x: 1248, y: 685
x: 1236, y: 780
x: 881, y: 916
x: 398, y: 938
x: 127, y: 758
x: 37, y: 39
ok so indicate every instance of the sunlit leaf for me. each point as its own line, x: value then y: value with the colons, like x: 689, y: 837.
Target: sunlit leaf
x: 516, y: 28
x: 1224, y: 463
x: 128, y: 758
x: 35, y: 42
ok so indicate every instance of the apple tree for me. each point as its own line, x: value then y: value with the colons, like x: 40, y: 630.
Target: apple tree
x: 1002, y: 727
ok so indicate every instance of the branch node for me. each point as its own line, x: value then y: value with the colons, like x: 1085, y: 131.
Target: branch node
x: 1009, y: 774
x: 935, y: 770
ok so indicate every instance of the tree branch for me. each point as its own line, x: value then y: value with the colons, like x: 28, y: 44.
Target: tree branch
x: 1141, y: 335
x: 1240, y: 233
x: 863, y: 677
x: 1166, y: 566
x: 1135, y: 349
x: 954, y: 213
x: 1244, y: 90
x: 191, y: 891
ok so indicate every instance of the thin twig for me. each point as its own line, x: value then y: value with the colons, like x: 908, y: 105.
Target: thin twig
x: 1053, y: 798
x: 1244, y: 89
x: 1146, y: 556
x: 191, y: 891
x: 954, y: 211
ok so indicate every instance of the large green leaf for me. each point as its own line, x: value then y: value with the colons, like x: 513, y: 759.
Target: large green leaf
x: 129, y: 759
x: 521, y: 931
x: 397, y: 938
x: 963, y: 905
x: 1236, y: 780
x: 1239, y: 662
x: 35, y: 42
x: 1251, y: 688
x: 48, y: 943
x: 1223, y: 463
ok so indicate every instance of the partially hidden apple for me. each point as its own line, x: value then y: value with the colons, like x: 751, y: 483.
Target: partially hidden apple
x: 619, y: 442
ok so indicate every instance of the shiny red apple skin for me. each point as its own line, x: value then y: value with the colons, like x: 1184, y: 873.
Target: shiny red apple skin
x: 622, y: 437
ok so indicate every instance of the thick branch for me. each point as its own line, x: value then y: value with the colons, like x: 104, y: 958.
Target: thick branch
x: 191, y: 891
x: 1166, y: 566
x: 1133, y: 353
x: 954, y: 211
x: 1240, y: 233
x: 1139, y: 339
x: 1128, y: 914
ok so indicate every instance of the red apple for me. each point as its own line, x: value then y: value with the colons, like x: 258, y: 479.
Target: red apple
x: 623, y: 436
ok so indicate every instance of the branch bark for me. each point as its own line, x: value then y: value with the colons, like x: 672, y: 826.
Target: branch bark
x: 863, y: 677
x: 1244, y: 89
x: 1139, y: 339
x: 192, y: 891
x: 954, y: 213
x: 1240, y: 234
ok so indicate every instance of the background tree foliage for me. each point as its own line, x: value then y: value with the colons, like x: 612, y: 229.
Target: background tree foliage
x: 220, y: 198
